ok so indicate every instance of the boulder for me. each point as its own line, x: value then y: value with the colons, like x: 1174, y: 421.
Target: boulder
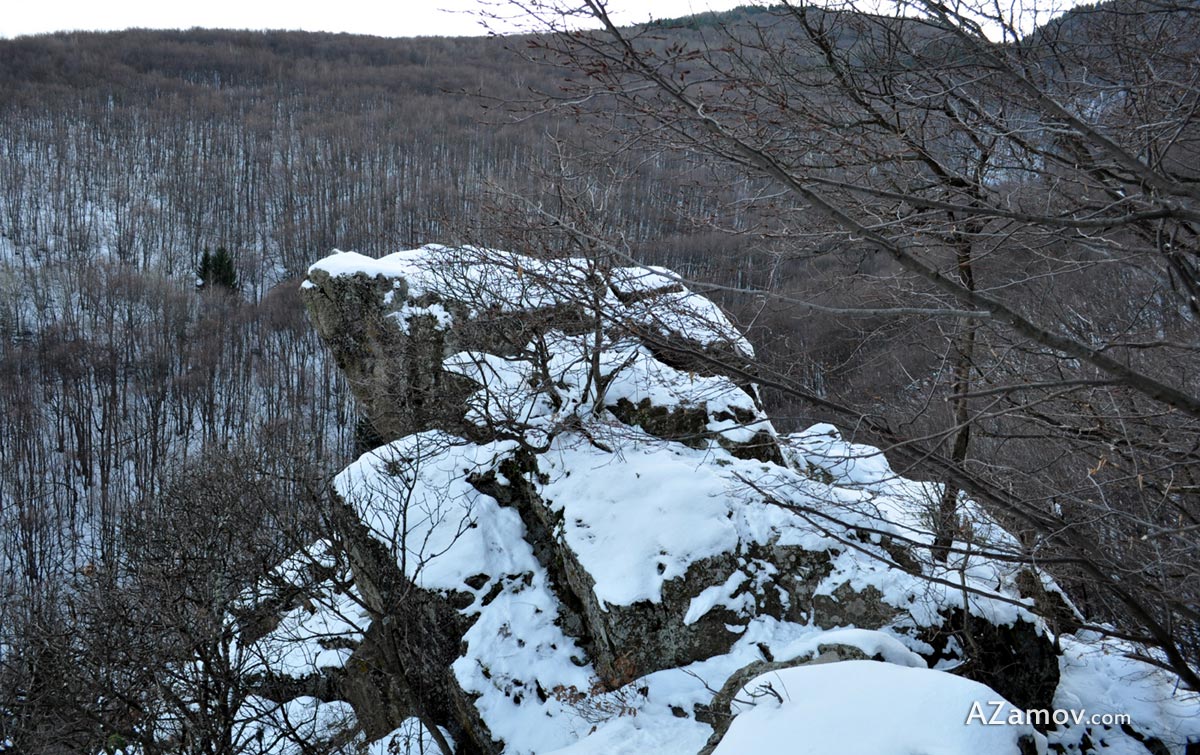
x: 572, y: 500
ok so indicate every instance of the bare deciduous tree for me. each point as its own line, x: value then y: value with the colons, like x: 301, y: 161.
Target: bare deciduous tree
x: 1028, y: 199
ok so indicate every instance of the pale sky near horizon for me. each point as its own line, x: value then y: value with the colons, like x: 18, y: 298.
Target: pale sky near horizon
x: 397, y: 18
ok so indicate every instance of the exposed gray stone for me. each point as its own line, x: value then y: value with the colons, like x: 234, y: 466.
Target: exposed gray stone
x: 403, y: 666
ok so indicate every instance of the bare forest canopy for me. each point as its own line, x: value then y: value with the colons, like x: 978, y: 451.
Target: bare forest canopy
x: 145, y: 415
x: 273, y: 144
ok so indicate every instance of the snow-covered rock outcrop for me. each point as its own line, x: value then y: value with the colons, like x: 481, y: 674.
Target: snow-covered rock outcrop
x: 579, y: 527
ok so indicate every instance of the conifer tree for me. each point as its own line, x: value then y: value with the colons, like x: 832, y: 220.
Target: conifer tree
x: 204, y: 270
x: 217, y: 270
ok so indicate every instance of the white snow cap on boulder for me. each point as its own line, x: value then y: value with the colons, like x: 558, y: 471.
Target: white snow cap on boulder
x: 604, y: 535
x: 506, y: 281
x: 870, y: 708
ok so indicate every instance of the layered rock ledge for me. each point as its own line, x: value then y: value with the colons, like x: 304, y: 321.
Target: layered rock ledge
x: 576, y: 530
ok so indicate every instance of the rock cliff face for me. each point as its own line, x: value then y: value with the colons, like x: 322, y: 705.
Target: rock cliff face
x: 577, y: 530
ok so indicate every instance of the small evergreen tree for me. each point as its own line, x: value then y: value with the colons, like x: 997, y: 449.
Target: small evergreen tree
x: 217, y: 270
x: 204, y: 271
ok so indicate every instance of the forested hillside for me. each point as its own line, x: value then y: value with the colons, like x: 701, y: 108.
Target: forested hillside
x: 125, y: 159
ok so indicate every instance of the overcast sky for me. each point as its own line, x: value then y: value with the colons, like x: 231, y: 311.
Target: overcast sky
x: 389, y: 18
